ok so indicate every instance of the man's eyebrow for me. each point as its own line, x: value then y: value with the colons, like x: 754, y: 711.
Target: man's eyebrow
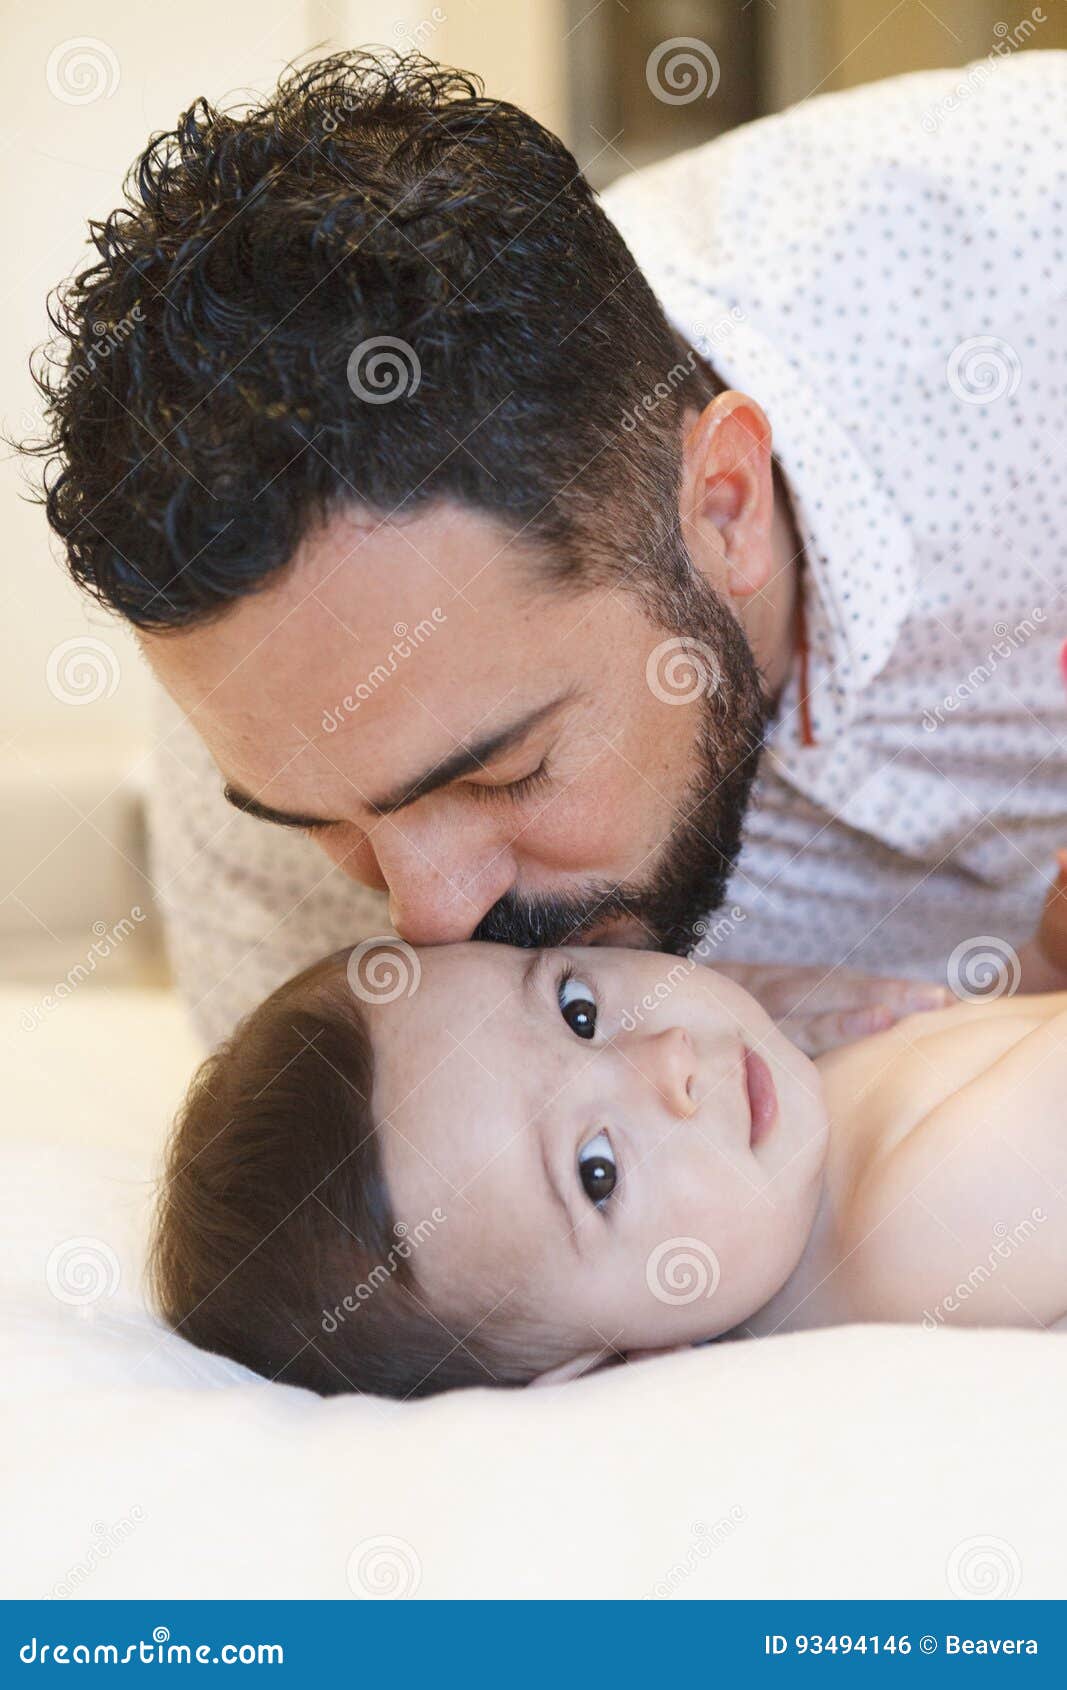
x: 462, y: 761
x: 467, y: 758
x: 266, y: 812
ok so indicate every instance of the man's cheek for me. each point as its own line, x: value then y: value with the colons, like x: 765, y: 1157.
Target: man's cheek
x: 591, y: 826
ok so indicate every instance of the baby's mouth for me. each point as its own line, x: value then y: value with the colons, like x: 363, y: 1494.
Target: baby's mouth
x: 762, y: 1098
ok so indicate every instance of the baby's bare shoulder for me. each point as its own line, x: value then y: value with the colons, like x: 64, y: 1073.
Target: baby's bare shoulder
x: 988, y: 1158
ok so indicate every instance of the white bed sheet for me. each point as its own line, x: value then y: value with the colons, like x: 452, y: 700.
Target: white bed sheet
x: 857, y: 1462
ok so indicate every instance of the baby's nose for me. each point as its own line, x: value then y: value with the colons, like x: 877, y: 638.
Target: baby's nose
x: 668, y: 1063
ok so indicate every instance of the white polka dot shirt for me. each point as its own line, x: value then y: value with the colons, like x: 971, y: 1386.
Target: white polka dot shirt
x: 885, y: 271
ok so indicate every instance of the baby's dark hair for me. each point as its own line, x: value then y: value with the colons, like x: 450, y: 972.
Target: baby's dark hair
x: 275, y: 1242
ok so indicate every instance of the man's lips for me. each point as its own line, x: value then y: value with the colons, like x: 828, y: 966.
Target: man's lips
x: 762, y: 1098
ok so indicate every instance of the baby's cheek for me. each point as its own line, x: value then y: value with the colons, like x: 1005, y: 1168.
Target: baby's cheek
x: 665, y: 1293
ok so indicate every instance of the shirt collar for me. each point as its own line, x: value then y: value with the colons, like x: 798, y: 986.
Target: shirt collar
x: 861, y: 570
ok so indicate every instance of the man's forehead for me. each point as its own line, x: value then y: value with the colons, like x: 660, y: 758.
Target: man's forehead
x: 357, y: 602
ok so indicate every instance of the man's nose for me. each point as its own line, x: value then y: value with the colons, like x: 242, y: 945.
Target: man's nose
x: 667, y: 1062
x: 439, y: 889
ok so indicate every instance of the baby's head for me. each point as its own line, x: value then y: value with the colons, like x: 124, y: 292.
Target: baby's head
x: 472, y: 1165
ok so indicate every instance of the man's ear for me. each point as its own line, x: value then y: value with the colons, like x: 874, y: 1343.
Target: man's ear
x: 587, y: 1362
x: 728, y: 488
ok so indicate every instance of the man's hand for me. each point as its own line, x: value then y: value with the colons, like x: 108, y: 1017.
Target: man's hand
x: 819, y: 1008
x: 1044, y: 957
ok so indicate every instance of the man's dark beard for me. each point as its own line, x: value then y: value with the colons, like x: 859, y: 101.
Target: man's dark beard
x: 689, y: 879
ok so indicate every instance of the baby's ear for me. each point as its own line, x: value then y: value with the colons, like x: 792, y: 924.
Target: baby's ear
x: 588, y: 1362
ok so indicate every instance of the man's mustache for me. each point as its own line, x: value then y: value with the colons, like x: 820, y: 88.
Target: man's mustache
x: 545, y: 922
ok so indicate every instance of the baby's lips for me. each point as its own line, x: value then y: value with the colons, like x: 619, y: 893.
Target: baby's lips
x: 1063, y: 662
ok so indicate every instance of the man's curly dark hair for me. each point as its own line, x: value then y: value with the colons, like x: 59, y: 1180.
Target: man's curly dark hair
x: 376, y: 288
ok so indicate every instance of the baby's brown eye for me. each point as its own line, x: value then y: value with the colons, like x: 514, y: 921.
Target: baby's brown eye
x: 597, y: 1170
x: 578, y: 1007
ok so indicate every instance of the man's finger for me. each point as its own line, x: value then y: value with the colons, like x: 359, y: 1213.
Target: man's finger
x: 907, y: 997
x: 818, y: 1033
x: 842, y: 991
